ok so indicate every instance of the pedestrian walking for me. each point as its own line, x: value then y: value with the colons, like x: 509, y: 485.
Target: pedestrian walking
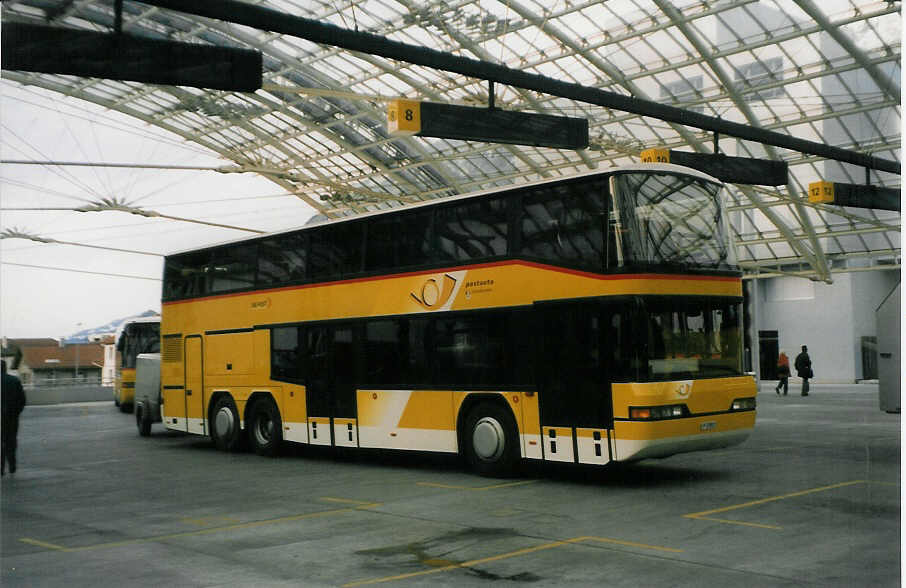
x: 804, y: 369
x: 12, y: 401
x: 783, y: 372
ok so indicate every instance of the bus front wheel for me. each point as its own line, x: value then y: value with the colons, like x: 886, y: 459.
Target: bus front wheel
x: 225, y: 429
x: 265, y: 428
x: 491, y: 441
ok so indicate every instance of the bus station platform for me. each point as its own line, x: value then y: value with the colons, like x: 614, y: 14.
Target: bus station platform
x: 812, y: 498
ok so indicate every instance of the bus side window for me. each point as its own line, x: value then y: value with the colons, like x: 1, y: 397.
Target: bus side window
x: 385, y: 353
x: 564, y: 224
x: 286, y: 354
x: 281, y: 260
x: 336, y: 250
x: 381, y: 248
x: 186, y: 275
x: 415, y: 241
x: 472, y: 230
x: 420, y: 341
x: 235, y: 267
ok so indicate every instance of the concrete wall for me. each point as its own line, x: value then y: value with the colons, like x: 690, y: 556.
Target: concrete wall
x: 869, y: 291
x: 829, y: 318
x: 35, y: 395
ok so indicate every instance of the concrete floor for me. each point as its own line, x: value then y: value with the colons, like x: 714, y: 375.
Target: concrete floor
x: 811, y: 499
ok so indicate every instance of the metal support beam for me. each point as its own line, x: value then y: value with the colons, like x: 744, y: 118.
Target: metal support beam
x: 326, y: 34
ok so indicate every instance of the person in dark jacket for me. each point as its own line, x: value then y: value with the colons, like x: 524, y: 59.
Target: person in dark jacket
x: 804, y: 369
x: 12, y: 399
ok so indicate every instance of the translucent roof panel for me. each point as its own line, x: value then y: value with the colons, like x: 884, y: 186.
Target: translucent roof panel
x: 828, y: 72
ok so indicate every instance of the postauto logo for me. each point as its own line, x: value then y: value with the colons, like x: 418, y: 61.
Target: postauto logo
x: 435, y: 293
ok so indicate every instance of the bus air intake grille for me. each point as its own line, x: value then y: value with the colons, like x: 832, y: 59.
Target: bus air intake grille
x: 172, y: 350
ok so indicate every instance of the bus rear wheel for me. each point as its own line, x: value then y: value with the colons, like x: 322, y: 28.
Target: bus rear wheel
x: 225, y: 429
x: 491, y: 442
x: 265, y: 428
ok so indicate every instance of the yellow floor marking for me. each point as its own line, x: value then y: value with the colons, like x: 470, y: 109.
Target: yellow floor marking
x: 42, y: 544
x: 704, y: 514
x: 212, y: 530
x: 885, y: 484
x: 349, y: 501
x: 742, y: 523
x: 630, y: 544
x: 484, y: 560
x: 204, y: 521
x: 493, y: 487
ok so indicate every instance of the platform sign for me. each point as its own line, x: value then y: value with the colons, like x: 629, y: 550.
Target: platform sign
x: 404, y: 118
x: 655, y: 155
x: 726, y: 168
x: 856, y: 195
x: 821, y: 192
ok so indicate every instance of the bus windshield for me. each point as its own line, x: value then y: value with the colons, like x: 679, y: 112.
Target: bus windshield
x: 668, y: 219
x: 691, y: 337
x: 139, y: 338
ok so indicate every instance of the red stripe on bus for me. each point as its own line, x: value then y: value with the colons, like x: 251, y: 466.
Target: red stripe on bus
x: 531, y: 264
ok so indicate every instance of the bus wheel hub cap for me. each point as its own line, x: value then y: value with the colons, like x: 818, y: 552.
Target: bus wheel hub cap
x: 488, y: 439
x: 224, y: 422
x: 264, y: 430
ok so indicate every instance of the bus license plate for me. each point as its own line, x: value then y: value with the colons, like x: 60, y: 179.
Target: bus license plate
x: 709, y: 426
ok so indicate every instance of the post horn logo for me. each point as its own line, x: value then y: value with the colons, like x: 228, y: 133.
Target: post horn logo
x: 434, y: 295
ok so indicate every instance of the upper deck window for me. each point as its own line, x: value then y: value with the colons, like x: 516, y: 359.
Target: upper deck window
x: 472, y: 230
x: 668, y: 219
x: 233, y: 267
x: 565, y: 223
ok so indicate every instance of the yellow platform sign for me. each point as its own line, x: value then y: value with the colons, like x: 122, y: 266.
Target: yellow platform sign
x: 404, y: 117
x: 821, y: 192
x: 655, y: 155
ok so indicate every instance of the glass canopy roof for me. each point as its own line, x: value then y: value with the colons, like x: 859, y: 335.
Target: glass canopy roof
x: 827, y: 72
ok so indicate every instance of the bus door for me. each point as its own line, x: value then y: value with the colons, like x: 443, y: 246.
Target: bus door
x: 330, y: 390
x: 574, y: 386
x: 195, y: 417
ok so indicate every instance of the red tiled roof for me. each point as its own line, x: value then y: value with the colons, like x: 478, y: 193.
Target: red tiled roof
x: 36, y: 358
x: 43, y: 342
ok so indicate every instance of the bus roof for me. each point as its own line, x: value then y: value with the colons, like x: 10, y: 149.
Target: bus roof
x: 662, y: 167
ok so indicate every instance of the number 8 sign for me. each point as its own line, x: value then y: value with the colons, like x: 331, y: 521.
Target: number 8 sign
x: 404, y: 117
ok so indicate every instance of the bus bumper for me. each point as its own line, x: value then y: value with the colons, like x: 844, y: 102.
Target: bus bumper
x: 634, y: 440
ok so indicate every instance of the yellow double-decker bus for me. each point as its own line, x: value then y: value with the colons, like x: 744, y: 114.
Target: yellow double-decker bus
x: 133, y: 336
x: 590, y: 319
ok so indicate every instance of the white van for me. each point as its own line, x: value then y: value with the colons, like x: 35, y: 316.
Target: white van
x: 147, y: 392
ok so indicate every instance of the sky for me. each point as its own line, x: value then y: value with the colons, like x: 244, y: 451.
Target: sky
x: 91, y: 286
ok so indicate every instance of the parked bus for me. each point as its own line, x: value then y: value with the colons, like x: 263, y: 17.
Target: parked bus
x: 589, y: 319
x: 133, y: 336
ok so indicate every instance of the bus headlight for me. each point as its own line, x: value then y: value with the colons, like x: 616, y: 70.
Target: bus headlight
x: 653, y: 413
x: 743, y: 404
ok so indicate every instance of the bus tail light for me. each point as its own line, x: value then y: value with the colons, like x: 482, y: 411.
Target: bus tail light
x: 653, y: 413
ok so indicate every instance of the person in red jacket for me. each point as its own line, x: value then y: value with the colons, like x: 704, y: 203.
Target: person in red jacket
x: 783, y: 373
x: 12, y: 399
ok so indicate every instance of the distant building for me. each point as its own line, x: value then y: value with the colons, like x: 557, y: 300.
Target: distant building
x: 11, y: 349
x: 54, y: 365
